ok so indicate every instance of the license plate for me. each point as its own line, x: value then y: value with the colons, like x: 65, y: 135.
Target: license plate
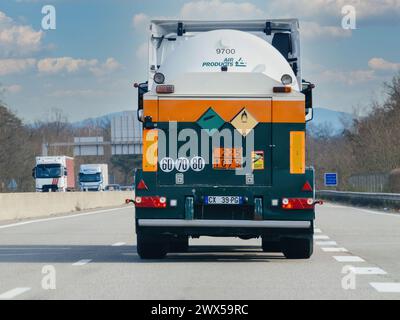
x: 224, y: 200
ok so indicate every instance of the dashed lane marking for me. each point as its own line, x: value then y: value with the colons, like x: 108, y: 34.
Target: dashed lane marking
x: 326, y: 243
x: 13, y: 293
x: 317, y: 230
x: 334, y: 249
x: 118, y: 244
x: 81, y: 262
x: 321, y: 237
x: 348, y: 259
x: 368, y: 270
x: 386, y: 287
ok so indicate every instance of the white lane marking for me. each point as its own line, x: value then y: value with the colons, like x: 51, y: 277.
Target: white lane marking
x: 118, y: 244
x: 326, y: 243
x: 31, y: 249
x: 13, y: 293
x: 368, y: 270
x: 348, y: 259
x: 386, y: 287
x: 334, y: 249
x: 61, y: 218
x: 317, y: 230
x: 81, y: 262
x: 321, y: 237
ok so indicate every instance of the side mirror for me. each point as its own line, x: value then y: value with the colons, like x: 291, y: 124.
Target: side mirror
x: 65, y: 173
x: 307, y: 91
x: 34, y: 173
x: 140, y: 115
x: 142, y: 90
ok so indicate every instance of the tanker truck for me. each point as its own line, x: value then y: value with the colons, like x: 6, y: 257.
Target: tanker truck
x: 224, y: 112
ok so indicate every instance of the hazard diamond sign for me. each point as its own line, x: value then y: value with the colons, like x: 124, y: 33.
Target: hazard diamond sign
x: 244, y: 122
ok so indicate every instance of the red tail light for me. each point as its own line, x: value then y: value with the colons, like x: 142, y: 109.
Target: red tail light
x: 151, y: 202
x: 285, y: 89
x: 165, y: 88
x: 298, y: 204
x: 142, y: 185
x: 307, y: 187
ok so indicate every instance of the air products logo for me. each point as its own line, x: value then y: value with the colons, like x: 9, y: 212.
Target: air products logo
x: 228, y: 62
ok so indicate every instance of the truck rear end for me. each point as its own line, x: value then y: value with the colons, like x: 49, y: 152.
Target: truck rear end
x: 224, y: 115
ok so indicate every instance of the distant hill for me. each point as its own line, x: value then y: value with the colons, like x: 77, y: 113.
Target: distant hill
x: 100, y: 119
x: 336, y: 120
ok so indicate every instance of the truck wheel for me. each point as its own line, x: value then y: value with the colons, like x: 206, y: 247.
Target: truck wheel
x: 271, y: 246
x: 179, y: 244
x: 298, y: 248
x: 150, y: 246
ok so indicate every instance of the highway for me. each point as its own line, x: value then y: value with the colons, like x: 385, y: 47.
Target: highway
x: 93, y: 256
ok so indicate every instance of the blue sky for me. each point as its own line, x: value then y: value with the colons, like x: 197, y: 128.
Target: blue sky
x: 86, y: 66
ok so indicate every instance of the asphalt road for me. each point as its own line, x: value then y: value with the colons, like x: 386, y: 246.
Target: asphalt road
x: 93, y: 256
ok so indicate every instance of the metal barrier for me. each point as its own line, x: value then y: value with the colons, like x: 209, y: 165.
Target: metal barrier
x: 362, y: 198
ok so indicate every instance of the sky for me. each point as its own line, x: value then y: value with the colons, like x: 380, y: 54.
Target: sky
x: 87, y: 66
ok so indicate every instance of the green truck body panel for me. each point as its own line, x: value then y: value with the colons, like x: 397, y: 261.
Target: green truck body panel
x: 274, y: 182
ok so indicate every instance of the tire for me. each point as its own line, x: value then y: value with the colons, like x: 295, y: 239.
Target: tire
x: 151, y: 246
x: 298, y: 248
x: 179, y: 244
x: 271, y: 246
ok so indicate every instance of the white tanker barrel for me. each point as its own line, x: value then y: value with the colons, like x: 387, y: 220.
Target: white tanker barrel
x: 239, y: 51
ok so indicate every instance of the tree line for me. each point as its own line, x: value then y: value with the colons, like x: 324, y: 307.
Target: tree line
x: 367, y: 145
x: 20, y: 143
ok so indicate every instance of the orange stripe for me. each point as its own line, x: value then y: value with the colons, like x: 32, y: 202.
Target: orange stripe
x: 288, y: 112
x: 192, y: 110
x: 151, y: 109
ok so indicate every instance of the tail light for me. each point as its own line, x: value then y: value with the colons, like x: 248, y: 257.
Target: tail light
x: 284, y: 89
x: 165, y: 88
x: 298, y: 204
x: 151, y: 202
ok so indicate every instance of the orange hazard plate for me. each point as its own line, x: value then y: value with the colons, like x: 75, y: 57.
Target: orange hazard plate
x: 227, y: 158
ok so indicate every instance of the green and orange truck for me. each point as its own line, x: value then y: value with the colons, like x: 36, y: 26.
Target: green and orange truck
x: 224, y: 115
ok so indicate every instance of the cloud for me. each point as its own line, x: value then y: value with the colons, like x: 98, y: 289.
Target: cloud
x: 12, y: 66
x: 143, y: 51
x: 330, y: 10
x: 18, y: 40
x: 380, y: 64
x: 141, y: 21
x: 313, y: 30
x: 71, y: 65
x: 217, y: 9
x: 12, y: 89
x: 85, y: 93
x: 350, y: 77
x: 105, y: 68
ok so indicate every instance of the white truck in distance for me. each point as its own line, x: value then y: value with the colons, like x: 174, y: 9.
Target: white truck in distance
x: 93, y: 177
x: 54, y: 173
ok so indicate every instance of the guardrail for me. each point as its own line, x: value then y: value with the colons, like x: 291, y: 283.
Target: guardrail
x: 391, y: 200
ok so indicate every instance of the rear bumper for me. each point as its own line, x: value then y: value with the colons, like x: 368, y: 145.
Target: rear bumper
x: 180, y: 223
